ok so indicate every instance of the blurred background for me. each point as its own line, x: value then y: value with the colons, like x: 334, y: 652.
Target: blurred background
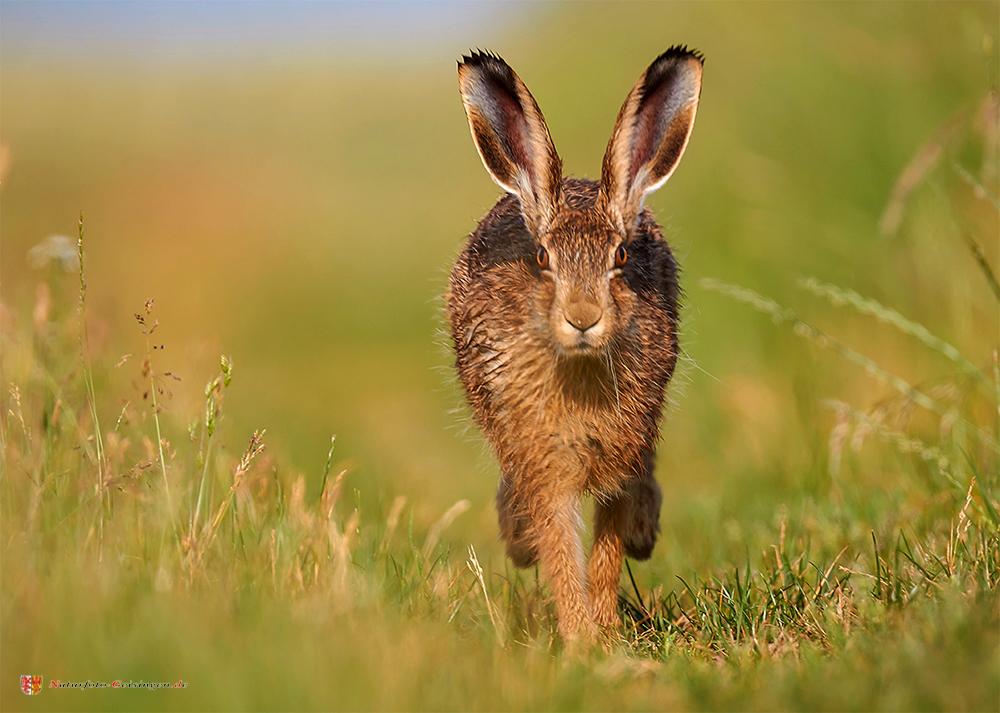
x: 291, y: 182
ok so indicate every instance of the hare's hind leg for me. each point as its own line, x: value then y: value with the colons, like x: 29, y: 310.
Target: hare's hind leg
x: 515, y: 526
x: 626, y: 525
x: 641, y: 524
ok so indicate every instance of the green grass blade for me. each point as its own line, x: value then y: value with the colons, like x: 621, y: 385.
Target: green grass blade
x: 804, y: 329
x: 839, y: 297
x: 981, y: 190
x: 979, y: 255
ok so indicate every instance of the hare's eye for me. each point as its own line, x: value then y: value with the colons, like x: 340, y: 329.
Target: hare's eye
x: 620, y: 256
x: 543, y: 257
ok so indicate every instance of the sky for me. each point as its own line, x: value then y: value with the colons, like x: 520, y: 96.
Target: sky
x: 153, y: 31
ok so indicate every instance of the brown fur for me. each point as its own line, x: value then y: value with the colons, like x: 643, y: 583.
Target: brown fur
x: 565, y: 366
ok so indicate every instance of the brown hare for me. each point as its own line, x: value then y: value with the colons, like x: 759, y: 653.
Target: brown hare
x: 563, y: 308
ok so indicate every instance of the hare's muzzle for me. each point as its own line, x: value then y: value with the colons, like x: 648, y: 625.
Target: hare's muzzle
x: 583, y: 314
x: 580, y: 326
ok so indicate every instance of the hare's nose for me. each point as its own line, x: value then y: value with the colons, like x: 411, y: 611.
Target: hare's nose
x: 583, y: 314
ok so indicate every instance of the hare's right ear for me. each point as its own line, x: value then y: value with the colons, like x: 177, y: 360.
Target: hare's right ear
x: 511, y: 136
x: 651, y: 133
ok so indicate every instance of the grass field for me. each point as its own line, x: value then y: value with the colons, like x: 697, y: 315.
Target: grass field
x: 263, y: 246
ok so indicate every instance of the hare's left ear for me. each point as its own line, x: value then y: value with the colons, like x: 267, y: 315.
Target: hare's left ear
x: 651, y: 133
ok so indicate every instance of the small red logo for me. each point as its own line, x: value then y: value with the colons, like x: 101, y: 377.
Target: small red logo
x: 30, y: 685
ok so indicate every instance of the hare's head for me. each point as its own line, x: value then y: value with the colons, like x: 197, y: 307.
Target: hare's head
x: 584, y: 234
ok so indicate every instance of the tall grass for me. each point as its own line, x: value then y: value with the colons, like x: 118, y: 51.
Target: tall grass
x: 112, y: 534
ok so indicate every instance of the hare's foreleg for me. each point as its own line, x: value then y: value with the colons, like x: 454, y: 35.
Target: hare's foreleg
x: 627, y: 525
x: 605, y: 566
x: 545, y: 526
x: 557, y: 524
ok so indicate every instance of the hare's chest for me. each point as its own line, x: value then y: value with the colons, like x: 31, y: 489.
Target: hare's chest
x: 592, y: 447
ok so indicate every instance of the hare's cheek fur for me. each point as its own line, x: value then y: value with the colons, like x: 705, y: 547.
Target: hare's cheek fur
x: 542, y: 306
x: 625, y: 304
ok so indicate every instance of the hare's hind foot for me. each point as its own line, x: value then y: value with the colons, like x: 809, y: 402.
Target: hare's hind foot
x: 515, y: 528
x: 641, y: 524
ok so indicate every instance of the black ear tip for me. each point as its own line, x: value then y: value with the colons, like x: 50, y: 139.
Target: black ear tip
x: 481, y: 58
x: 678, y: 52
x: 673, y: 63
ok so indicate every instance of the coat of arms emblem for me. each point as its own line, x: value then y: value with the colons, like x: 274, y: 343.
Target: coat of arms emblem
x: 31, y: 685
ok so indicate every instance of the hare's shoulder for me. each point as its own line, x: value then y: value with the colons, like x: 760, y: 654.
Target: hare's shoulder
x: 501, y: 236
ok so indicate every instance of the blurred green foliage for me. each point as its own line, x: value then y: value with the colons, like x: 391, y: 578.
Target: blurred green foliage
x: 302, y: 217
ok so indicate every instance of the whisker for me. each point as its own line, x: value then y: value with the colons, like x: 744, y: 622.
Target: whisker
x: 614, y: 378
